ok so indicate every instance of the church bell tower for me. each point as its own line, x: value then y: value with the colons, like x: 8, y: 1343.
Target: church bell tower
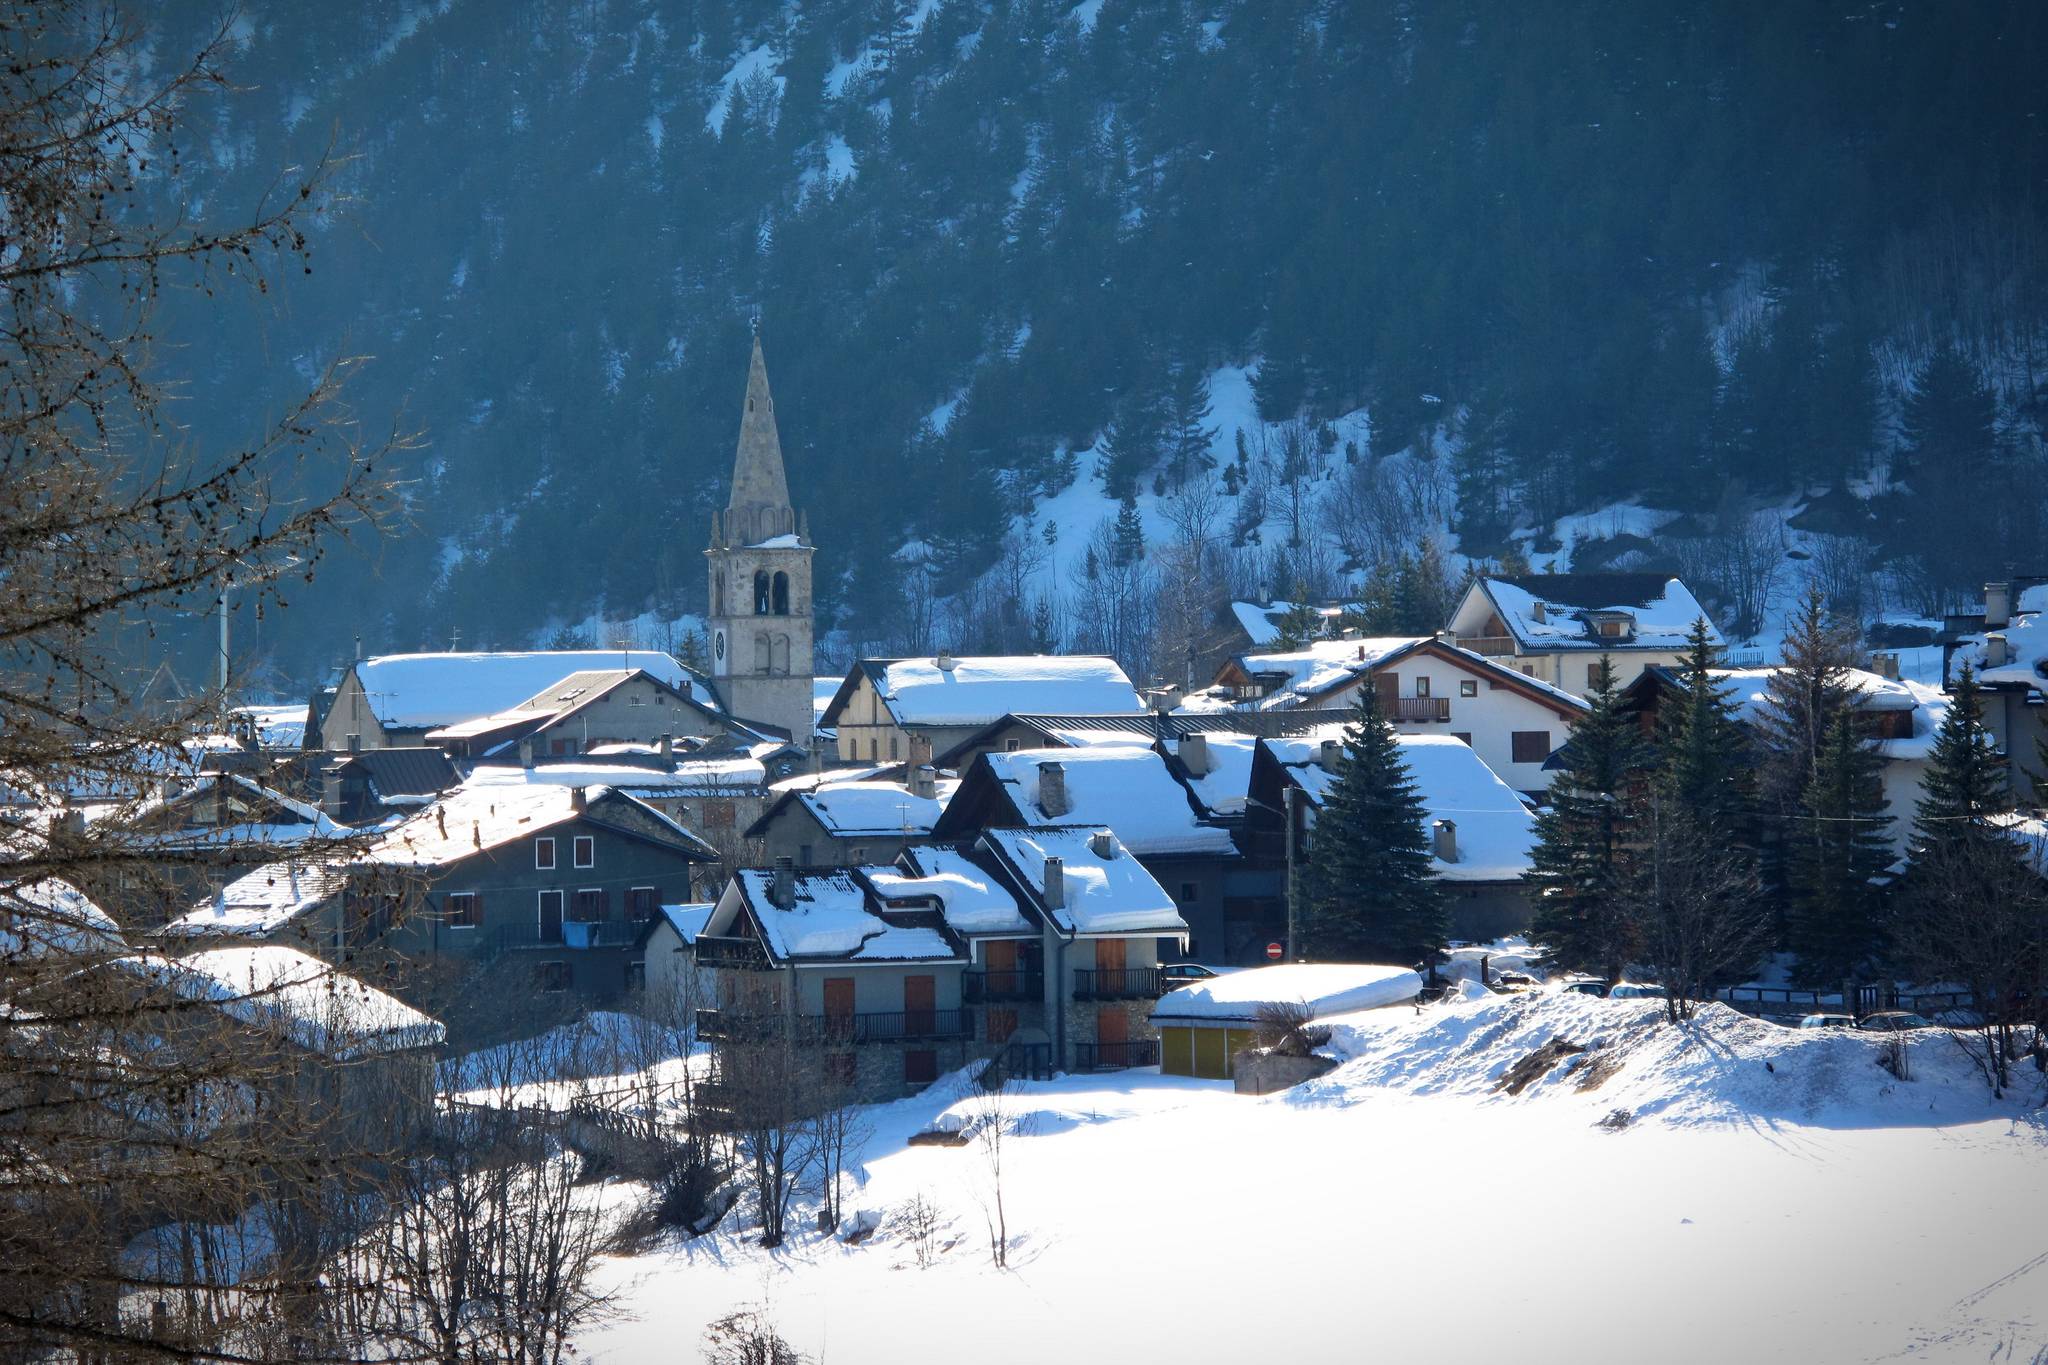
x: 760, y: 568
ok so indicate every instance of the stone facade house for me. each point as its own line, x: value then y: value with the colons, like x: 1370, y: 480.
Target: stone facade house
x: 850, y: 824
x: 591, y: 710
x: 884, y: 705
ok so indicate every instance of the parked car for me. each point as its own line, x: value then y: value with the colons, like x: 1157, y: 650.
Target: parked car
x: 1586, y: 985
x: 1636, y: 990
x: 1509, y: 983
x: 1828, y: 1021
x: 1892, y: 1021
x: 1183, y: 974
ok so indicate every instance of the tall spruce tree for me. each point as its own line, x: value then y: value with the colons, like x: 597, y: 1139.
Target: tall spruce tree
x: 1803, y: 700
x: 1835, y: 847
x: 1583, y: 901
x: 1966, y: 781
x: 1371, y: 890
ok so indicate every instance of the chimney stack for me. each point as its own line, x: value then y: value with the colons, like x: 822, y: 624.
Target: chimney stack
x: 355, y: 744
x: 924, y: 781
x: 526, y: 752
x: 920, y: 751
x: 668, y: 749
x: 1052, y: 789
x: 330, y: 791
x: 1997, y: 605
x: 1995, y: 653
x: 784, y: 893
x: 579, y: 797
x: 1446, y: 840
x: 945, y: 663
x: 1055, y: 884
x: 1328, y: 756
x: 220, y: 902
x: 1885, y: 665
x: 1103, y: 845
x: 1194, y: 753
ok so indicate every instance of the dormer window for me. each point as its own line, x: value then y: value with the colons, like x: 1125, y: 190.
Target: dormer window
x: 1613, y: 625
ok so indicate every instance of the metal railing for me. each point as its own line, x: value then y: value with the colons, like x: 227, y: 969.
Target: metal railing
x: 724, y: 1026
x: 600, y: 933
x: 1487, y: 644
x: 1116, y: 1056
x: 1123, y: 983
x: 507, y: 937
x: 1422, y: 708
x: 745, y: 954
x: 980, y: 987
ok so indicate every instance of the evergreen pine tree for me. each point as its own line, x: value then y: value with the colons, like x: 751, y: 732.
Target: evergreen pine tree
x: 1702, y: 766
x: 1966, y: 779
x: 1128, y: 545
x: 1949, y: 421
x: 1580, y: 879
x: 1300, y: 624
x: 1835, y: 845
x: 1803, y: 699
x: 1187, y: 431
x: 1371, y: 889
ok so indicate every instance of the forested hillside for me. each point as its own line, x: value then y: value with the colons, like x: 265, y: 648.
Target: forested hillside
x: 1709, y: 256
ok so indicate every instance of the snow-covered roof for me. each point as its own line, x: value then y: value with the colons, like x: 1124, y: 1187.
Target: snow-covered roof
x: 1557, y: 611
x: 320, y: 1009
x: 1320, y: 666
x: 1496, y: 833
x: 688, y: 919
x: 1102, y: 895
x: 977, y: 690
x: 1125, y: 787
x: 1226, y: 785
x: 852, y: 809
x: 831, y: 916
x: 970, y: 898
x: 706, y: 773
x: 1324, y: 987
x: 474, y: 817
x: 313, y: 822
x: 412, y: 690
x: 1747, y: 689
x: 2026, y: 646
x: 277, y: 727
x: 260, y: 902
x: 51, y: 916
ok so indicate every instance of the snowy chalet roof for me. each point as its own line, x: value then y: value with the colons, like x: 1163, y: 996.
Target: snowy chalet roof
x: 1557, y: 611
x: 970, y: 896
x: 976, y: 690
x: 683, y: 776
x: 688, y: 919
x: 1261, y: 624
x: 1226, y: 784
x: 318, y: 1008
x: 1124, y: 787
x: 49, y: 915
x: 1102, y: 895
x: 1747, y: 690
x: 426, y: 690
x: 835, y: 916
x: 2026, y: 646
x: 851, y: 809
x: 481, y: 816
x: 1298, y: 674
x: 1324, y: 987
x: 1496, y: 833
x: 260, y: 902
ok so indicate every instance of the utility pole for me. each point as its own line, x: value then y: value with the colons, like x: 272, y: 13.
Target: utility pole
x: 1287, y: 796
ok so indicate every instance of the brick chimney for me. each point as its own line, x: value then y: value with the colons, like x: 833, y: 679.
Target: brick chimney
x: 1052, y: 789
x: 1445, y: 840
x: 783, y: 894
x: 1194, y: 753
x: 1055, y: 884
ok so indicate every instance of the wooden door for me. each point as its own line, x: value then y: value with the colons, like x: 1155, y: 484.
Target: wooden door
x: 550, y: 917
x: 1112, y: 1027
x: 1387, y: 687
x: 1109, y: 964
x: 1000, y: 957
x: 838, y: 1005
x: 920, y: 999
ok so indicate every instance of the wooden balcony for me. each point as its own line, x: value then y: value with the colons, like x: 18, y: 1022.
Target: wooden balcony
x: 743, y: 954
x: 1128, y: 983
x: 909, y: 1026
x: 1422, y: 708
x: 1487, y: 644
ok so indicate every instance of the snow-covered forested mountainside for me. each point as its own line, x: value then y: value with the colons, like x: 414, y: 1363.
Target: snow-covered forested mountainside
x: 1015, y: 260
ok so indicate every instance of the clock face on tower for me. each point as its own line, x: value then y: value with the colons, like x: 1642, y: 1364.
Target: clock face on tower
x: 718, y: 651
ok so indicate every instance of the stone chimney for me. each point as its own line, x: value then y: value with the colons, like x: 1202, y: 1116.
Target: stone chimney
x: 1996, y: 655
x: 1055, y: 884
x: 355, y: 744
x: 579, y: 798
x: 330, y: 791
x: 920, y: 751
x: 1103, y: 845
x: 1885, y: 665
x: 945, y: 663
x: 924, y: 781
x: 526, y: 752
x: 1997, y: 605
x: 783, y: 894
x: 1330, y: 755
x: 668, y: 749
x: 1445, y: 840
x: 1052, y: 789
x: 1194, y: 753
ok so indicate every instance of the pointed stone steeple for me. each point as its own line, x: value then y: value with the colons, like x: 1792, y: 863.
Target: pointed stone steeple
x: 759, y: 507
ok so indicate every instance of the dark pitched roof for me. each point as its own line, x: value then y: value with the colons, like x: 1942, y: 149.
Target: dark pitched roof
x: 1590, y: 590
x: 404, y: 772
x: 1172, y: 725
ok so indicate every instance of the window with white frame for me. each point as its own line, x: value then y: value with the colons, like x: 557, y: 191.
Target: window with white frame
x: 544, y: 854
x: 461, y: 910
x: 586, y: 851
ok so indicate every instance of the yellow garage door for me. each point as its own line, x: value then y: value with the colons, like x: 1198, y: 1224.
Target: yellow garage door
x: 1212, y: 1062
x: 1176, y: 1052
x: 1236, y: 1040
